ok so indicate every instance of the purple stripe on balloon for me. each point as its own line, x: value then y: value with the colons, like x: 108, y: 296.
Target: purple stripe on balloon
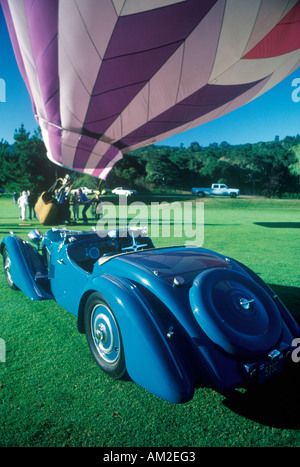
x: 85, y: 147
x: 42, y: 20
x: 53, y: 109
x: 203, y: 101
x: 111, y: 104
x: 156, y: 28
x: 106, y: 159
x: 98, y: 173
x: 130, y: 69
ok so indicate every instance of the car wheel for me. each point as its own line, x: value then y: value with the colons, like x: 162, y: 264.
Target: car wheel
x: 201, y: 194
x: 235, y: 312
x: 7, y: 265
x: 104, y: 336
x: 232, y: 195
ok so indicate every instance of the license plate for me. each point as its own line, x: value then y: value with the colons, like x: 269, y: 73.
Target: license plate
x: 268, y: 369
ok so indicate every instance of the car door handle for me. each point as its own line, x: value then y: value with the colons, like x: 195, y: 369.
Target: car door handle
x: 61, y: 261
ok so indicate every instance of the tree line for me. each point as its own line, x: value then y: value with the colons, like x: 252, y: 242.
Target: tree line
x: 264, y: 168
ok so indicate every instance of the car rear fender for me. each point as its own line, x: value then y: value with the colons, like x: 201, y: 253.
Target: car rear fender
x: 22, y: 270
x: 150, y: 361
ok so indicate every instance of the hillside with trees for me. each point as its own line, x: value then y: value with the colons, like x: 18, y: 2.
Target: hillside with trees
x: 264, y: 168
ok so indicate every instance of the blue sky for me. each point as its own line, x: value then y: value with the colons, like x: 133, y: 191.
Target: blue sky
x: 274, y: 113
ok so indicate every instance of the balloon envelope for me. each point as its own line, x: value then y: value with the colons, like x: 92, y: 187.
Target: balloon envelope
x: 109, y: 76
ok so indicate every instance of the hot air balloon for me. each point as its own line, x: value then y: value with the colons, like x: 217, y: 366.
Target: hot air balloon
x: 109, y: 76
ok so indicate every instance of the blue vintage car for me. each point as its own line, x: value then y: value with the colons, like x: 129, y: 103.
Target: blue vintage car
x: 170, y: 319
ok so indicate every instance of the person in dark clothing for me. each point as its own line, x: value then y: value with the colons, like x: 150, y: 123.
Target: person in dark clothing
x: 83, y: 199
x: 75, y: 206
x: 64, y: 205
x: 31, y: 203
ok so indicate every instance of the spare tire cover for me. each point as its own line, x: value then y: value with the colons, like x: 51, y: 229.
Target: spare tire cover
x: 235, y: 312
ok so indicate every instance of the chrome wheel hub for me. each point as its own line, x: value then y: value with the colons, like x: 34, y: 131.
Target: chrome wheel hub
x: 105, y: 333
x: 245, y: 304
x: 101, y: 334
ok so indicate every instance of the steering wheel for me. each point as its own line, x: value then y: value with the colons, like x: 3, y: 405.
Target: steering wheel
x: 134, y: 246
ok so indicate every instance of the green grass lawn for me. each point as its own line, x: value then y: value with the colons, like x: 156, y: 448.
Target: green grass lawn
x: 53, y: 394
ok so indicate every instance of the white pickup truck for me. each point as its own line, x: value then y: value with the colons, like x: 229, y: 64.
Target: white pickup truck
x: 218, y: 189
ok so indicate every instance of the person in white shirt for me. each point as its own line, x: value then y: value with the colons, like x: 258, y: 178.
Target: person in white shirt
x: 23, y: 202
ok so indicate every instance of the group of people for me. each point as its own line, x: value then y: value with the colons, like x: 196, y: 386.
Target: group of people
x: 26, y: 201
x: 75, y: 200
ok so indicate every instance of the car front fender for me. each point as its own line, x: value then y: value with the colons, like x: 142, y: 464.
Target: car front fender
x: 20, y: 269
x: 150, y: 360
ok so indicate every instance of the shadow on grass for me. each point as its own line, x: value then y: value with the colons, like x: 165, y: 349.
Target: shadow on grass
x: 290, y: 296
x: 21, y: 229
x: 276, y: 402
x: 279, y: 225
